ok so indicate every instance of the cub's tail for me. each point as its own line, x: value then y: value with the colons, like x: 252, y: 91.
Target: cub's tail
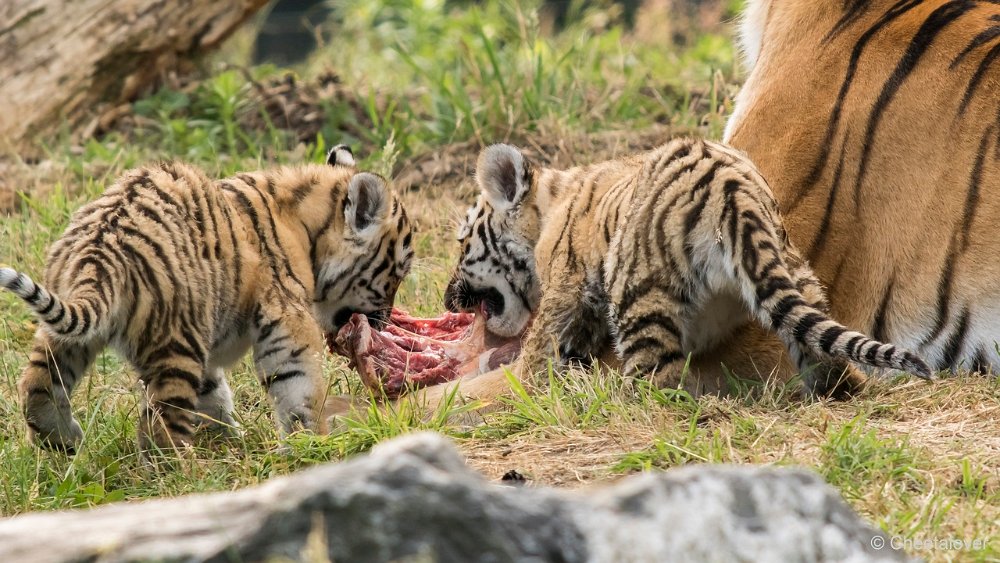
x: 69, y: 319
x: 792, y: 316
x: 783, y: 291
x: 780, y: 303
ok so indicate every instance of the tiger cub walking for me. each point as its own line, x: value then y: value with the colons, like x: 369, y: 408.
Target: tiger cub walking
x: 182, y: 274
x: 660, y: 254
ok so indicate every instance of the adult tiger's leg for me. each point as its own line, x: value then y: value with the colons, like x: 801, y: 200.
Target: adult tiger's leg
x: 750, y: 352
x: 481, y: 390
x: 288, y: 354
x: 54, y: 368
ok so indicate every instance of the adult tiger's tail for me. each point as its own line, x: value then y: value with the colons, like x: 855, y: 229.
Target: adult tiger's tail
x: 69, y: 319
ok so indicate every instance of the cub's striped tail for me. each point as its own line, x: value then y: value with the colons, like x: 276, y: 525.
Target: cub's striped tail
x: 791, y: 316
x: 77, y: 318
x: 782, y: 289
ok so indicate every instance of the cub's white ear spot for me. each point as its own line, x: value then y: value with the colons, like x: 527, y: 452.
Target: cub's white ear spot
x: 503, y: 175
x: 368, y: 200
x: 340, y: 155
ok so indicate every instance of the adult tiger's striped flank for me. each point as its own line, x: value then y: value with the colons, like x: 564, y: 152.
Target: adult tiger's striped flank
x: 877, y: 124
x: 662, y: 255
x: 182, y: 275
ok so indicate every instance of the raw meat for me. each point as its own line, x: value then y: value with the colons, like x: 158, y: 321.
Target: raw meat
x: 415, y: 352
x: 449, y: 326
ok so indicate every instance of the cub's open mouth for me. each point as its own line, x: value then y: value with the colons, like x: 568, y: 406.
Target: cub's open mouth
x: 416, y: 352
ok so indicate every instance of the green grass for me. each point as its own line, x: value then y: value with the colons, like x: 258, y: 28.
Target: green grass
x: 919, y: 461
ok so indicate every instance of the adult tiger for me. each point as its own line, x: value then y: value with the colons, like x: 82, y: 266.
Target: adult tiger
x: 877, y: 125
x: 181, y: 275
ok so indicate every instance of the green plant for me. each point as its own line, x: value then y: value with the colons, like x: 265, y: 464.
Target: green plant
x: 854, y: 457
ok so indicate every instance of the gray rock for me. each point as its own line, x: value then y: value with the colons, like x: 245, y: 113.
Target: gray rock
x: 413, y: 499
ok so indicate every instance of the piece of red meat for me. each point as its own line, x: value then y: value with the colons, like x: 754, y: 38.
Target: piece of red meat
x: 416, y: 352
x: 449, y: 326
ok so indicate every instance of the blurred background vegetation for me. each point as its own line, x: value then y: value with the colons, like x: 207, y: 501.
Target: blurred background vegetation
x: 399, y: 78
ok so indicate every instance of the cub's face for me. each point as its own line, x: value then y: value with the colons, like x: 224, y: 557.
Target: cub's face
x: 359, y: 267
x: 496, y: 272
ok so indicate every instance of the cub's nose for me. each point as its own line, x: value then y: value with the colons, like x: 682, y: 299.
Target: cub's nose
x: 460, y: 296
x: 492, y: 301
x: 456, y: 295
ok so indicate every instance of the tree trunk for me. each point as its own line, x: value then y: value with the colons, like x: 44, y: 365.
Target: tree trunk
x: 64, y: 63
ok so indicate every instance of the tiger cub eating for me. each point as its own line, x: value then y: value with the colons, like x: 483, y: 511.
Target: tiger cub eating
x: 181, y: 275
x: 660, y: 255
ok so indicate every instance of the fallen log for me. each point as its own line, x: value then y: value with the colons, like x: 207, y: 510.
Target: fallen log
x: 63, y: 64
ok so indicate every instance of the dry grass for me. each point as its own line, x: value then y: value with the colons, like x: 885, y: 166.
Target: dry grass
x: 950, y: 421
x: 561, y: 457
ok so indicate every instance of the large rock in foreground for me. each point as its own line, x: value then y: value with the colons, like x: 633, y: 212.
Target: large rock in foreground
x: 413, y: 499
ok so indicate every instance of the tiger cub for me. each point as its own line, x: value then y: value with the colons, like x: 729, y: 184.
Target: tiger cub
x: 182, y: 275
x: 660, y: 254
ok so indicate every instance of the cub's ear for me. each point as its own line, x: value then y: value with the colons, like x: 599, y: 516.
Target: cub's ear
x: 340, y: 155
x: 368, y: 201
x: 504, y: 175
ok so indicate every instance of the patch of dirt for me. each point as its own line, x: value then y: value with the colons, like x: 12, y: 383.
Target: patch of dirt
x: 674, y: 23
x: 282, y: 101
x: 453, y: 166
x: 557, y: 456
x: 11, y: 176
x: 18, y: 176
x: 8, y: 198
x: 450, y: 165
x: 302, y: 106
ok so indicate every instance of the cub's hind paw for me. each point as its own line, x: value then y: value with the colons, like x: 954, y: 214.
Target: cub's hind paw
x: 63, y: 438
x: 834, y: 380
x: 224, y: 426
